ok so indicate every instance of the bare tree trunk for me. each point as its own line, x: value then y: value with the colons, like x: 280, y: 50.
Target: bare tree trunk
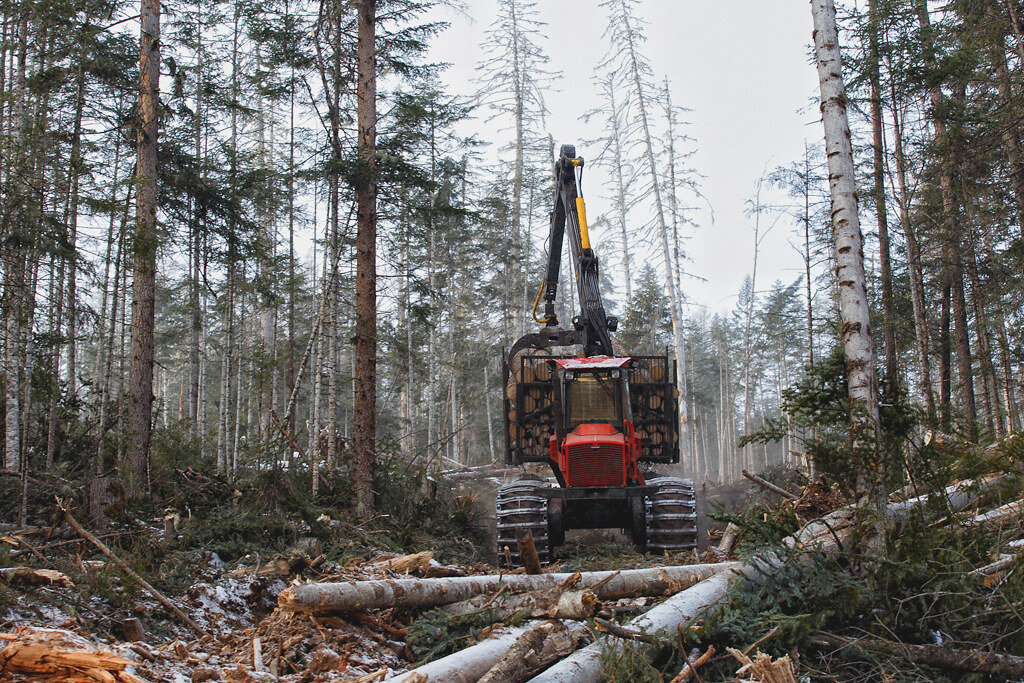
x: 1011, y: 141
x: 364, y: 427
x: 914, y: 266
x: 953, y: 267
x: 855, y: 330
x: 892, y: 383
x: 614, y: 124
x: 807, y: 254
x: 519, y: 164
x: 675, y: 304
x: 195, y: 243
x: 945, y: 357
x: 140, y: 371
x: 747, y: 394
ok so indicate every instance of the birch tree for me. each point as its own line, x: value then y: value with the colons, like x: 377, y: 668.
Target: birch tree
x: 855, y: 324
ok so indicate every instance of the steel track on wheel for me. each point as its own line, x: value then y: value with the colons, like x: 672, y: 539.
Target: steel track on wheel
x: 671, y: 515
x: 521, y: 507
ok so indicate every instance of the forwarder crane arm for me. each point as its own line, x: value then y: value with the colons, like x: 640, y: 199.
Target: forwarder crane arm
x: 592, y: 327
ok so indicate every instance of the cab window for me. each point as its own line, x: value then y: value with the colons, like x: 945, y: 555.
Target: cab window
x: 593, y: 398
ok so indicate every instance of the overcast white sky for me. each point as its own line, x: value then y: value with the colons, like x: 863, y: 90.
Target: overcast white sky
x: 740, y: 65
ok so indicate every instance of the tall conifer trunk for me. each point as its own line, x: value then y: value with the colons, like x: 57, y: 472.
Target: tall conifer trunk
x: 140, y: 372
x: 878, y: 143
x: 364, y: 427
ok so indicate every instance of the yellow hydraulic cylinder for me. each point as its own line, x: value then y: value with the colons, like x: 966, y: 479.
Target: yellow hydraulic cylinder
x: 581, y: 210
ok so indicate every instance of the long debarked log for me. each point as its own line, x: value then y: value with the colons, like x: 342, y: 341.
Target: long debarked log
x: 354, y: 596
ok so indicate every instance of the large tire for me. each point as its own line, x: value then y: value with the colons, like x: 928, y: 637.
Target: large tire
x: 671, y: 515
x: 522, y: 505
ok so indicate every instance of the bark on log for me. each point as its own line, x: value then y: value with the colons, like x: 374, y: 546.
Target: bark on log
x: 528, y: 551
x: 706, y: 597
x: 469, y: 665
x: 555, y: 603
x: 533, y: 651
x: 355, y: 596
x: 1010, y: 511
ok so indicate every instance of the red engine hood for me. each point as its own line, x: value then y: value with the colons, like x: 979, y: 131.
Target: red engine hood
x: 594, y: 433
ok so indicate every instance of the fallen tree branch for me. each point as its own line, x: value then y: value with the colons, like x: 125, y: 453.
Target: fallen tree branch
x: 765, y: 484
x: 1011, y: 666
x: 688, y: 670
x: 354, y: 596
x: 128, y: 570
x: 604, y: 626
x: 1004, y: 561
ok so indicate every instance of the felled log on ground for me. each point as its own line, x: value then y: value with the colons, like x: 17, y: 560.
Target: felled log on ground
x: 1010, y: 512
x: 957, y: 496
x: 555, y: 602
x: 533, y: 651
x: 472, y: 663
x: 355, y: 596
x: 708, y: 596
x: 585, y: 664
x: 728, y: 542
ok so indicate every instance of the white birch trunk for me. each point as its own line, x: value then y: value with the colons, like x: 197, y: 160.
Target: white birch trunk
x: 853, y: 299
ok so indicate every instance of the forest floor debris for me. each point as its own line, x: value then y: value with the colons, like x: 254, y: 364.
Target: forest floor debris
x: 600, y: 610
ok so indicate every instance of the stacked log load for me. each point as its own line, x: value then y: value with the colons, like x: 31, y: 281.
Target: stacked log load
x: 532, y: 368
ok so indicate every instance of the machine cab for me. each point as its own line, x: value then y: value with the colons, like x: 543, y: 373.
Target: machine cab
x: 599, y: 447
x: 594, y: 391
